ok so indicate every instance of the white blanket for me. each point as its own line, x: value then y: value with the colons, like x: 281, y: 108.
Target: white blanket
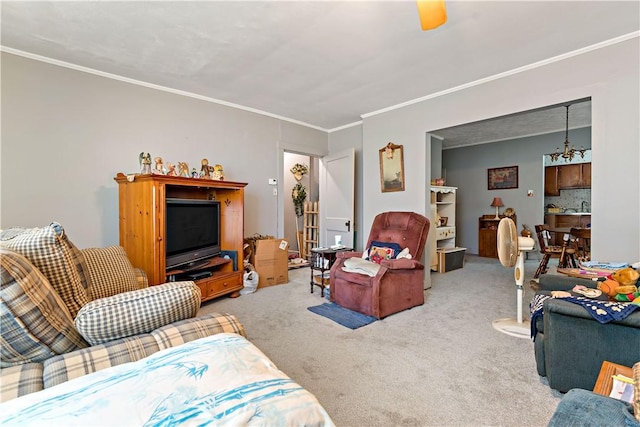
x: 221, y: 380
x: 361, y: 266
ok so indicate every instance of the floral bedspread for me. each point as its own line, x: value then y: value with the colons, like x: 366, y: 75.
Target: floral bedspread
x: 221, y: 380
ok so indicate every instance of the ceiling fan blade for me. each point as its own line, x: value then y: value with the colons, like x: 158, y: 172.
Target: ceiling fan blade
x: 433, y: 13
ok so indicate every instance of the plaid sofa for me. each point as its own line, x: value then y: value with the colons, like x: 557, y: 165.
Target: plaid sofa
x: 66, y: 312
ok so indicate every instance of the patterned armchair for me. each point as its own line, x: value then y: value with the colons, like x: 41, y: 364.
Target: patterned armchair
x: 398, y: 284
x: 66, y: 312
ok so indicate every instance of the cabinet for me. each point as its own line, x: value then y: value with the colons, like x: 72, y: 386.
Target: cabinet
x: 142, y: 204
x: 566, y: 177
x: 488, y: 235
x: 443, y: 205
x: 551, y: 181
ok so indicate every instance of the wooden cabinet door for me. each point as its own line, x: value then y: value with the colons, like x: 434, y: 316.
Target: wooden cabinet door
x: 569, y: 176
x: 551, y: 181
x: 586, y: 175
x: 488, y: 243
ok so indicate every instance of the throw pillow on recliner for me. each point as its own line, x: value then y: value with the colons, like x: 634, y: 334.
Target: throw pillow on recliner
x: 137, y: 312
x: 383, y: 250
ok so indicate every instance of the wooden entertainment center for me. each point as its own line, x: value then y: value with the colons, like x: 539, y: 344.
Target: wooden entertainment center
x: 142, y: 203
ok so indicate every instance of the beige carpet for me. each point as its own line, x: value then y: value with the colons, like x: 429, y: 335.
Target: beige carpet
x: 440, y: 364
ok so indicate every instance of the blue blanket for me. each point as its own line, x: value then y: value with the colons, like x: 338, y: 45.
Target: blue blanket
x: 602, y: 311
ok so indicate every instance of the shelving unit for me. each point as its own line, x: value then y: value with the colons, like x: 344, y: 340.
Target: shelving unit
x: 310, y: 230
x: 142, y: 206
x: 443, y: 204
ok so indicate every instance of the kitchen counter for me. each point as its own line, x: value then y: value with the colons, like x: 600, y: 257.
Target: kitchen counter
x: 567, y: 213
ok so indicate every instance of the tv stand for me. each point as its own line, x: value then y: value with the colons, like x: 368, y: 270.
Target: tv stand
x: 142, y: 204
x: 195, y: 265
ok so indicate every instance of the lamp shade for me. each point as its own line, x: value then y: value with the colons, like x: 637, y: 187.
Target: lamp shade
x: 497, y: 202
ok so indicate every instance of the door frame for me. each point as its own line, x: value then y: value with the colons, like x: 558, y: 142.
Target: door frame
x: 283, y: 147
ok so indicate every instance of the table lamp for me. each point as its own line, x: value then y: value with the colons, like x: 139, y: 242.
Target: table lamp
x: 497, y: 203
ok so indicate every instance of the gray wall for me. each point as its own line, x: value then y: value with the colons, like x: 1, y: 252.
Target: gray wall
x: 610, y: 75
x: 467, y: 169
x: 65, y: 135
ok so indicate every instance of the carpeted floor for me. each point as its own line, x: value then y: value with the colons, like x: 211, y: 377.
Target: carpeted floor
x: 440, y: 364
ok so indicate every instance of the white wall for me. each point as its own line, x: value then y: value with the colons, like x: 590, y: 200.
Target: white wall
x: 609, y: 75
x: 65, y: 135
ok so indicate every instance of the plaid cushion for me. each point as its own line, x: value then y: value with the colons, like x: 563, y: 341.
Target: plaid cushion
x: 110, y: 272
x: 20, y: 380
x: 141, y: 278
x: 192, y: 329
x: 82, y: 362
x: 137, y: 312
x: 34, y: 321
x: 80, y: 264
x: 50, y: 251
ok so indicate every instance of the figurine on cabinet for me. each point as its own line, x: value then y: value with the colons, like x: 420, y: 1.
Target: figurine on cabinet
x: 183, y: 169
x: 145, y: 163
x: 205, y: 169
x: 218, y: 173
x: 194, y: 173
x: 171, y: 169
x: 159, y: 169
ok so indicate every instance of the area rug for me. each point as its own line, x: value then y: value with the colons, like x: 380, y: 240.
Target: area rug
x: 344, y: 316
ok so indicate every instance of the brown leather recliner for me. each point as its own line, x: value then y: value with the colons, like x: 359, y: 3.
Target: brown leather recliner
x: 398, y: 284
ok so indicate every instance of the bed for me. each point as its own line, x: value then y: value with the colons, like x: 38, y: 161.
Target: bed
x: 221, y: 380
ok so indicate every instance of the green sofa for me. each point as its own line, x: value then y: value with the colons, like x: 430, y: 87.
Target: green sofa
x: 570, y: 345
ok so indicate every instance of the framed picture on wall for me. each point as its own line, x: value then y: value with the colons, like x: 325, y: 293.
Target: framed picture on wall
x: 502, y: 178
x: 391, y: 168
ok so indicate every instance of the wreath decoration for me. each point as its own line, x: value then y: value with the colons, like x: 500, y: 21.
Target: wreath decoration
x: 299, y: 170
x: 299, y: 195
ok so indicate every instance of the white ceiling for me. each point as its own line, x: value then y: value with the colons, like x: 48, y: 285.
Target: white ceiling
x: 319, y: 63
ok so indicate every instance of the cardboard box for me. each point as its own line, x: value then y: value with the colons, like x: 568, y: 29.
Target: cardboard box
x: 271, y: 261
x: 450, y: 259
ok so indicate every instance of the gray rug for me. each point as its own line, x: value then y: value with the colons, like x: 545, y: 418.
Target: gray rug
x: 439, y: 364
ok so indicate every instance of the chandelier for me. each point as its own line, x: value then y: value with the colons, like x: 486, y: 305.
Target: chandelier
x: 567, y: 153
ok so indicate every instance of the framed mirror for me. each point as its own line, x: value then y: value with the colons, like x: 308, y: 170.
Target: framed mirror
x: 391, y: 168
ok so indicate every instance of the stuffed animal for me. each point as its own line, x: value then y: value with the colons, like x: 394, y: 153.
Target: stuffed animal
x: 626, y: 276
x: 628, y: 294
x: 609, y: 287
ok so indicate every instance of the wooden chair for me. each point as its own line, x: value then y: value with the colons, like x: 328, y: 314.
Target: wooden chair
x: 564, y: 253
x: 582, y: 243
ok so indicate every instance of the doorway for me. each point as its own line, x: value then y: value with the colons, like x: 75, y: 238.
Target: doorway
x: 299, y: 187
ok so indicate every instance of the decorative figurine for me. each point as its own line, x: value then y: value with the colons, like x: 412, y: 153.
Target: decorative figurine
x: 183, y: 169
x: 205, y: 170
x: 218, y: 173
x: 145, y: 163
x: 194, y: 173
x: 171, y: 169
x: 159, y: 167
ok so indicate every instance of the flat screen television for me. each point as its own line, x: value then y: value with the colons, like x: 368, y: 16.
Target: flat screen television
x: 192, y: 232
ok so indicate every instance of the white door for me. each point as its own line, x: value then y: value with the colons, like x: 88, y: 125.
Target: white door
x: 337, y: 188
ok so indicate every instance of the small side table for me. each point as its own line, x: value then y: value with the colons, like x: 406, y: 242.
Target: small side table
x: 604, y: 383
x: 321, y: 260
